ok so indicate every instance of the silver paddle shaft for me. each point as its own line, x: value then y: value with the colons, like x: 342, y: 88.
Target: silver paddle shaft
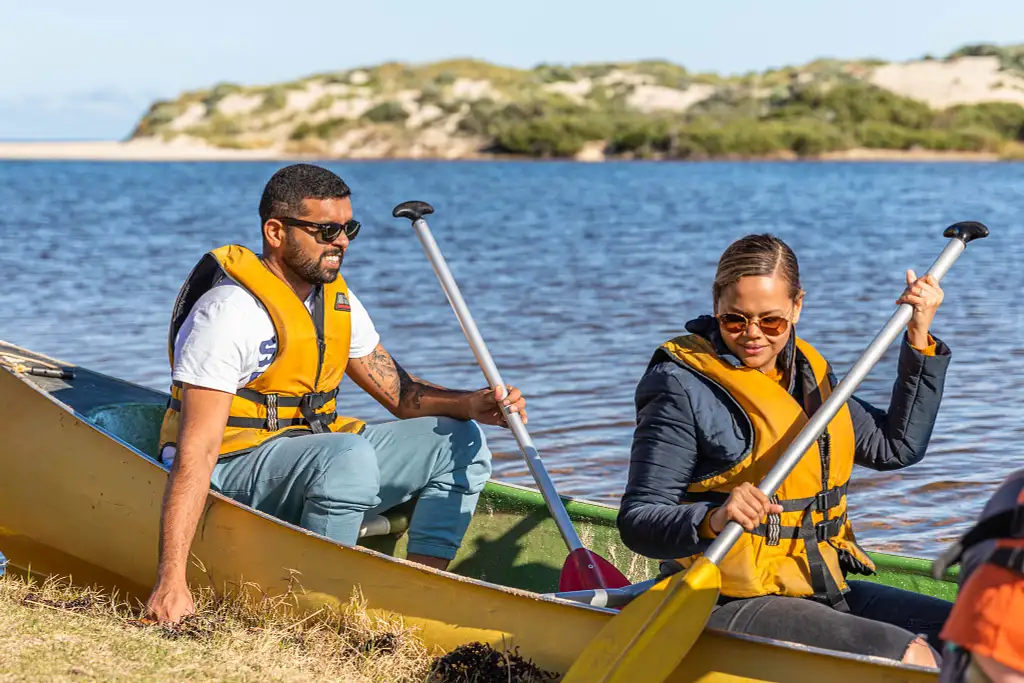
x: 842, y: 393
x: 483, y: 357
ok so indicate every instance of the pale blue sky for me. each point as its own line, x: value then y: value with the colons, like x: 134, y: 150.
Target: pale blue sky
x: 88, y: 70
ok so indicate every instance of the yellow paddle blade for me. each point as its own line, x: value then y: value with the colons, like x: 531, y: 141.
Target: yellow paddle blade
x: 651, y: 635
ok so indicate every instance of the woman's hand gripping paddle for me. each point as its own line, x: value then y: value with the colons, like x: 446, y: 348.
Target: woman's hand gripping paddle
x: 648, y: 639
x: 583, y: 569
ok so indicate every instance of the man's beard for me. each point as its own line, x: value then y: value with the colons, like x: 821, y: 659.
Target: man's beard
x: 309, y: 269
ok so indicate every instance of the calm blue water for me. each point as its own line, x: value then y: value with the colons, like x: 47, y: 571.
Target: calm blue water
x: 574, y: 273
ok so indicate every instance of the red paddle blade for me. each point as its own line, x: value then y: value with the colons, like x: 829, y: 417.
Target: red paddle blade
x: 585, y: 570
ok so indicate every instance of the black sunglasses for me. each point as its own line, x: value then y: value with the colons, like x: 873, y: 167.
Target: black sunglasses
x: 328, y: 231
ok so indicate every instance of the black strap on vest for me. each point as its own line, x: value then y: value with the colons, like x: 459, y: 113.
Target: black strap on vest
x: 308, y: 404
x: 1005, y: 525
x: 824, y: 583
x: 1008, y: 558
x: 822, y: 531
x: 315, y: 400
x: 822, y: 501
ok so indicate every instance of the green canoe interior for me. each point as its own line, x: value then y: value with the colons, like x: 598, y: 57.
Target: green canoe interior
x: 512, y: 540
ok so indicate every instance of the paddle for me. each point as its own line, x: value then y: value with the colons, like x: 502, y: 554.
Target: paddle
x: 651, y: 635
x: 583, y: 568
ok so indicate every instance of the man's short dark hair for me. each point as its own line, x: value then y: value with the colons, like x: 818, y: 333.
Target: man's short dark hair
x: 286, y: 189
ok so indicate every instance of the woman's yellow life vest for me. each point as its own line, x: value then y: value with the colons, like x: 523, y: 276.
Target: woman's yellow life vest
x: 797, y: 552
x: 298, y: 390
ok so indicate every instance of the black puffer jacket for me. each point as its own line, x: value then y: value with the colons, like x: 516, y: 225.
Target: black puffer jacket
x: 688, y: 429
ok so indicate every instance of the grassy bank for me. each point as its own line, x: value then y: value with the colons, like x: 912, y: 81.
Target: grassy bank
x: 55, y: 631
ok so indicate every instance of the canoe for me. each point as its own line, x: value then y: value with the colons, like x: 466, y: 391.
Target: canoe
x: 80, y: 496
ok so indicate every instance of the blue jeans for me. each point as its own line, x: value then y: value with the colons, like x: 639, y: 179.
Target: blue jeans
x: 327, y: 483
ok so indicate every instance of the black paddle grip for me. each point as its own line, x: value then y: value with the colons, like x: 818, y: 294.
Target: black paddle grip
x: 412, y: 210
x: 965, y: 231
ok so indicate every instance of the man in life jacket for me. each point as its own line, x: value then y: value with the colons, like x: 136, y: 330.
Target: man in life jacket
x: 984, y: 633
x: 258, y: 346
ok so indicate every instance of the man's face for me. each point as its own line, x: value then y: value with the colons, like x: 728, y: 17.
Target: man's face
x: 304, y: 251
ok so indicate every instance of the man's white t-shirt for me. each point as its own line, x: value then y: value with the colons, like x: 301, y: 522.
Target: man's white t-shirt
x: 228, y: 340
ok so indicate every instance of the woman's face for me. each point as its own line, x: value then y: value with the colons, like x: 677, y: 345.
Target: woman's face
x: 751, y: 300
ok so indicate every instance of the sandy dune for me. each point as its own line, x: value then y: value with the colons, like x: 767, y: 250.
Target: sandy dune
x: 967, y: 80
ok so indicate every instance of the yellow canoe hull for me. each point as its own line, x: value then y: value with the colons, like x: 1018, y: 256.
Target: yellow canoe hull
x: 75, y: 500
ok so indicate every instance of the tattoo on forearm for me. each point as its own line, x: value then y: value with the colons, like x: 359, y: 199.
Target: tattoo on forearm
x: 400, y: 388
x: 413, y: 389
x: 383, y: 372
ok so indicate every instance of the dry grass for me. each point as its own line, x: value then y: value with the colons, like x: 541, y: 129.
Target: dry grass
x: 54, y: 631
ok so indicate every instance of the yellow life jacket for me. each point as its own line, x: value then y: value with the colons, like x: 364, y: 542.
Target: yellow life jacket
x: 797, y: 552
x: 297, y: 392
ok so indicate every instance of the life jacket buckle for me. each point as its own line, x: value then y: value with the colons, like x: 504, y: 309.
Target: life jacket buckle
x: 316, y: 401
x: 829, y: 498
x: 824, y: 530
x: 317, y: 421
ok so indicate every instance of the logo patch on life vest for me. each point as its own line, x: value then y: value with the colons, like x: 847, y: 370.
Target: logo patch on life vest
x: 341, y: 303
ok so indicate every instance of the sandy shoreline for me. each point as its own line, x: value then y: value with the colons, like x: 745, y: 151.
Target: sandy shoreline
x: 150, y: 151
x: 128, y: 151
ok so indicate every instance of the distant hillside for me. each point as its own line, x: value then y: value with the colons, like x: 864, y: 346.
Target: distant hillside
x: 969, y: 100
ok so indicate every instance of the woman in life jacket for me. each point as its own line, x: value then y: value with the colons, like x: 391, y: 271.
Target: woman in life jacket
x: 719, y: 404
x: 984, y: 634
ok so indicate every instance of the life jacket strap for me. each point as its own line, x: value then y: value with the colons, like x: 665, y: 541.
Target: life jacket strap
x: 823, y: 530
x: 307, y: 404
x: 1009, y: 558
x: 1006, y: 524
x: 823, y: 501
x: 315, y: 400
x: 822, y: 581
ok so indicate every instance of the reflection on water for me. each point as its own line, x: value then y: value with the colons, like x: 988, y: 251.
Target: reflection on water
x: 574, y: 274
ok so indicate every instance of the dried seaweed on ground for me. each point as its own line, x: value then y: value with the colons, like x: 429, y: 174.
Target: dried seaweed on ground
x: 480, y: 663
